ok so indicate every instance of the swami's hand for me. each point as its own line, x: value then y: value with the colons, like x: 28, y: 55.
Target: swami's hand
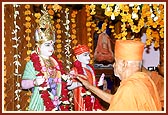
x: 83, y: 79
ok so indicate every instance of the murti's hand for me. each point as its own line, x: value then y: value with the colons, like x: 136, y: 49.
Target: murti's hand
x: 39, y: 80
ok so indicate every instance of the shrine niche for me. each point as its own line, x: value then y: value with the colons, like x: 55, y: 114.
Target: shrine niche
x: 74, y: 24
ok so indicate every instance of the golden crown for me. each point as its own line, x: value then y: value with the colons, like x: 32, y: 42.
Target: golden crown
x: 45, y: 30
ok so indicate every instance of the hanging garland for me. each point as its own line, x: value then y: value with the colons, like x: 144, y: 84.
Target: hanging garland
x: 89, y: 35
x: 152, y: 18
x: 27, y: 13
x: 67, y: 45
x: 73, y: 30
x: 57, y: 9
x: 16, y: 57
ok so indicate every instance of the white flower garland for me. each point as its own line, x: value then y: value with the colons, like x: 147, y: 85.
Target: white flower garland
x: 67, y: 40
x: 16, y: 57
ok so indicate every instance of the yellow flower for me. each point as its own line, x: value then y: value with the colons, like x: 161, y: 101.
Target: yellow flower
x: 89, y: 44
x: 37, y: 15
x: 58, y: 31
x: 88, y: 34
x: 28, y: 31
x: 72, y: 20
x: 59, y: 45
x: 73, y: 31
x: 58, y: 41
x: 27, y: 38
x: 29, y: 52
x: 56, y: 7
x: 126, y: 8
x: 92, y: 6
x: 66, y: 9
x: 59, y: 56
x: 27, y: 6
x: 89, y: 29
x: 88, y: 24
x: 93, y: 25
x: 27, y: 12
x: 58, y: 26
x: 37, y: 20
x: 92, y: 12
x: 59, y: 50
x: 90, y: 39
x: 73, y: 36
x: 29, y: 45
x: 73, y: 25
x: 58, y: 20
x: 27, y: 18
x: 27, y: 24
x: 73, y: 15
x: 103, y: 6
x: 58, y: 36
x: 87, y: 7
x: 74, y: 41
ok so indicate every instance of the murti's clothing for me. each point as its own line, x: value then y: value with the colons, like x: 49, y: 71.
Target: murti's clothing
x: 103, y: 51
x: 83, y: 99
x: 52, y: 75
x: 134, y: 94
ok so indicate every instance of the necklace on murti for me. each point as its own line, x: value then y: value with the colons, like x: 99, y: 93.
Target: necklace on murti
x: 49, y: 67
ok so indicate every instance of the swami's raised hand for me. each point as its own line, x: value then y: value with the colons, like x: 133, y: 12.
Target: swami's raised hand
x: 83, y: 79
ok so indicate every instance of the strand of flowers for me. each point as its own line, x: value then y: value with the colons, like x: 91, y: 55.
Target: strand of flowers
x: 27, y: 13
x: 88, y: 26
x: 155, y: 19
x: 67, y: 46
x: 16, y: 57
x: 57, y: 8
x: 68, y: 54
x: 73, y: 30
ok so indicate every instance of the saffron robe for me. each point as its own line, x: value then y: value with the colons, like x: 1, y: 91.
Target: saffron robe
x: 159, y: 81
x: 136, y: 93
x: 103, y: 51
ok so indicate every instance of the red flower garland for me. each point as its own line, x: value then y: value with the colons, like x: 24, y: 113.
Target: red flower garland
x: 44, y: 94
x: 87, y: 98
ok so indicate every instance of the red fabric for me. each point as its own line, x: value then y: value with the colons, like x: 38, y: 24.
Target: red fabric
x: 79, y: 49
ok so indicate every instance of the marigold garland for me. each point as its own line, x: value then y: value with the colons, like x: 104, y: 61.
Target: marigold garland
x: 28, y: 28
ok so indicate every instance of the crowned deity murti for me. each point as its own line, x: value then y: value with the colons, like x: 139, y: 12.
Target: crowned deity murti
x: 43, y: 73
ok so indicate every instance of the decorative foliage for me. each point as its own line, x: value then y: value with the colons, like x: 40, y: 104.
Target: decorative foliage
x: 136, y: 16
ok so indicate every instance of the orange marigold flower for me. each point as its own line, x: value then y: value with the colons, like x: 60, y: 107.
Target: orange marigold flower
x: 51, y: 12
x: 27, y: 6
x: 27, y: 12
x: 73, y: 25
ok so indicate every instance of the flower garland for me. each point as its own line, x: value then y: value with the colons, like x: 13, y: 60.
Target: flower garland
x: 57, y: 9
x: 73, y: 30
x: 44, y: 94
x: 16, y: 57
x: 86, y: 94
x: 88, y: 26
x: 67, y: 45
x: 27, y: 13
x: 152, y: 16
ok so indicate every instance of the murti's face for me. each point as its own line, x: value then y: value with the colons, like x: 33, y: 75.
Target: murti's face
x: 84, y: 57
x: 47, y: 48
